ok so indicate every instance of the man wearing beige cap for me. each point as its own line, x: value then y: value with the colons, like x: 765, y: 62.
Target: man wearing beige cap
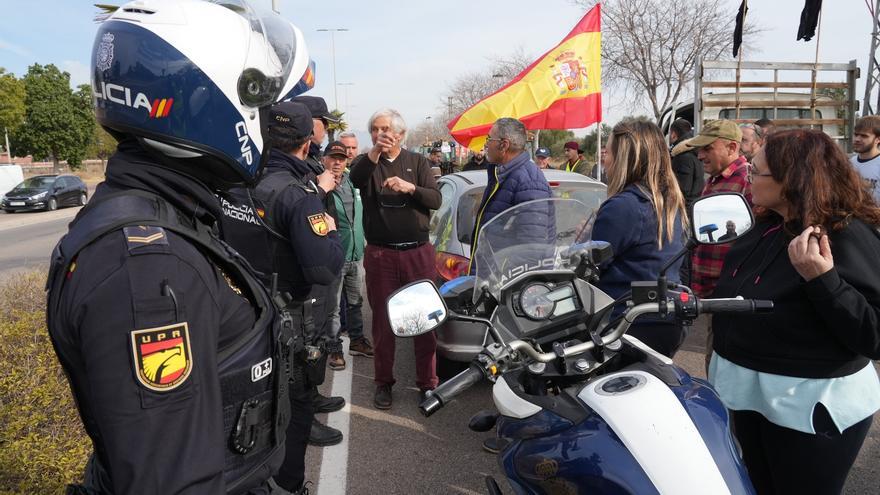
x: 717, y: 147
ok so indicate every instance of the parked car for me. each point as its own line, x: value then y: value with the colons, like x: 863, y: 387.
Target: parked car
x: 45, y: 192
x: 451, y: 229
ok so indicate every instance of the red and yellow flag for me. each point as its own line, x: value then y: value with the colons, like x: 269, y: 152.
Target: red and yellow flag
x: 560, y: 90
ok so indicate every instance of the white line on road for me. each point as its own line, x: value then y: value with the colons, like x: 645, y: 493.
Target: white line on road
x: 334, y: 460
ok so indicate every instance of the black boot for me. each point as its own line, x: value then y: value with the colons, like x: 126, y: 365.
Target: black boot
x: 323, y: 435
x: 323, y: 404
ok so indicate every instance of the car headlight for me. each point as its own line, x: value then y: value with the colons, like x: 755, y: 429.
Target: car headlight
x: 40, y: 196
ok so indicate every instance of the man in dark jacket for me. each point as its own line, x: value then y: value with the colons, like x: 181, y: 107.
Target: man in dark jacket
x: 514, y: 180
x: 687, y: 167
x: 477, y: 162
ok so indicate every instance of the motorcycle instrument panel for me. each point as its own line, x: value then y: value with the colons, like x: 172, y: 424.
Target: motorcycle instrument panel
x: 545, y: 301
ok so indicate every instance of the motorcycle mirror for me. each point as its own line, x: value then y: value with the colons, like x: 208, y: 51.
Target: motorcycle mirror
x: 720, y: 218
x: 415, y: 309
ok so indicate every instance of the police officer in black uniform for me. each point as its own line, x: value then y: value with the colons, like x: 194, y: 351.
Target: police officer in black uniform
x: 321, y: 118
x: 295, y: 244
x: 174, y: 351
x: 320, y: 435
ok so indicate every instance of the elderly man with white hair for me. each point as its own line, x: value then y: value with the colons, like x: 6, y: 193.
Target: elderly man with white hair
x: 398, y: 193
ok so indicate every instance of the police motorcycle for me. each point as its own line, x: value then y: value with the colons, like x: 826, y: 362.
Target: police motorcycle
x: 584, y: 407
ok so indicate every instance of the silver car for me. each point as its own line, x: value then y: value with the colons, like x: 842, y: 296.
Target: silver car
x: 451, y: 229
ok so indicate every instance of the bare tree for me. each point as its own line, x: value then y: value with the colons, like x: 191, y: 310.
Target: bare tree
x: 472, y: 87
x: 653, y: 46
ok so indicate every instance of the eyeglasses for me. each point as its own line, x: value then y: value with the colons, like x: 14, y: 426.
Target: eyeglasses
x: 752, y: 173
x: 494, y: 139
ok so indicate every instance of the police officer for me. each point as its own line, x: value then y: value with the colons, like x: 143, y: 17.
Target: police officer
x: 321, y: 118
x: 176, y: 356
x: 313, y: 172
x: 297, y: 241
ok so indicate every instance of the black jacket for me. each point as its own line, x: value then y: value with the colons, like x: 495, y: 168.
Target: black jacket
x: 141, y: 321
x: 689, y: 172
x: 827, y: 327
x: 473, y: 164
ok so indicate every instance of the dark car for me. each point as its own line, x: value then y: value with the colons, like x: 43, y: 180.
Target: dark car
x: 45, y: 192
x: 451, y: 229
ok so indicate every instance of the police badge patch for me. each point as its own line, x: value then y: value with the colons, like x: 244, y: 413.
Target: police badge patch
x: 319, y: 224
x: 104, y: 58
x: 162, y: 357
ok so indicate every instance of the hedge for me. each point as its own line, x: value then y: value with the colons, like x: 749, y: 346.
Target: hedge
x: 43, y: 446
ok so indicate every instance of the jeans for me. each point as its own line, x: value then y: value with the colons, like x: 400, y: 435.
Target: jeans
x: 349, y: 285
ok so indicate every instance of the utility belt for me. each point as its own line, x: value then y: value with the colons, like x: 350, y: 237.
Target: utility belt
x: 308, y: 356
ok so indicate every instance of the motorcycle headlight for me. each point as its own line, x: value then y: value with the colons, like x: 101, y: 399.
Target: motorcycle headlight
x: 40, y: 196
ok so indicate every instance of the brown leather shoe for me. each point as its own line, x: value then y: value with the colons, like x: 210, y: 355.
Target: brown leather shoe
x: 382, y: 399
x: 335, y: 361
x: 361, y: 347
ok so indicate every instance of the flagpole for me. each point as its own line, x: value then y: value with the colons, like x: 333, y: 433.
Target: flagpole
x: 599, y: 151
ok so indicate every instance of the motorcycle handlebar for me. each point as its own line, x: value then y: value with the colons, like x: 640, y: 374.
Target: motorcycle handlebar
x: 735, y: 306
x: 447, y: 390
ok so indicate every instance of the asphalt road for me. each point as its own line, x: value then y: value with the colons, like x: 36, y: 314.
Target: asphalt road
x: 395, y: 451
x: 27, y: 238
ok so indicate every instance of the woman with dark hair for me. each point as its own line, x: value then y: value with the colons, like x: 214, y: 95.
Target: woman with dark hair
x: 799, y: 382
x: 643, y: 220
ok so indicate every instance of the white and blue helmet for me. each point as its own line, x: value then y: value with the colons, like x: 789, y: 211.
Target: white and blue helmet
x: 193, y: 79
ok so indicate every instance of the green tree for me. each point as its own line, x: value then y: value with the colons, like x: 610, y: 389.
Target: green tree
x: 102, y: 145
x: 334, y: 127
x: 58, y: 122
x: 11, y: 103
x: 589, y: 142
x: 554, y: 140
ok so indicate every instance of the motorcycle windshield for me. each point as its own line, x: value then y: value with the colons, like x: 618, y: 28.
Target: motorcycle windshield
x: 535, y: 235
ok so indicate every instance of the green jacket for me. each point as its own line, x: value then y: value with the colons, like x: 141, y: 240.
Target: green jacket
x: 351, y: 230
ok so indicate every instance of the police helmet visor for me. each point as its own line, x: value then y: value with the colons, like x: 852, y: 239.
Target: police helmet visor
x: 272, y: 46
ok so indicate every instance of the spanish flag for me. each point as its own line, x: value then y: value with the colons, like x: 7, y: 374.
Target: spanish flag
x: 560, y: 90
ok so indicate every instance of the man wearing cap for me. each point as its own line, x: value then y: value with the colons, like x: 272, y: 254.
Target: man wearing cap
x: 344, y: 205
x: 574, y: 159
x: 542, y: 158
x: 321, y: 117
x: 285, y: 231
x: 435, y: 159
x: 717, y: 146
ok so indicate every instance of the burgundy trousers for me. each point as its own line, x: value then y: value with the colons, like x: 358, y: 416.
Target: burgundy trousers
x: 387, y: 270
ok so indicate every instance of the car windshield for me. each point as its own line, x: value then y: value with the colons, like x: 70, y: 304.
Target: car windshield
x: 585, y: 192
x: 535, y: 235
x: 35, y: 183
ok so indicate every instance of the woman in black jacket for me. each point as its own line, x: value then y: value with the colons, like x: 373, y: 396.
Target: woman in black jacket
x: 799, y: 382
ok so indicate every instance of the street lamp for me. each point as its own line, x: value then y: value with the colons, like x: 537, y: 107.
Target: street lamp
x: 346, y: 84
x: 333, y: 58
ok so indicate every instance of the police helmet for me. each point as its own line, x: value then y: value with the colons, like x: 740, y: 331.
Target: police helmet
x: 193, y: 80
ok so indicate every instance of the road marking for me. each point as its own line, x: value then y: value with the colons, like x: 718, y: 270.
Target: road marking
x: 334, y: 459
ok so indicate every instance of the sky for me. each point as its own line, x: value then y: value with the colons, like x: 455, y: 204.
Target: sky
x: 405, y: 54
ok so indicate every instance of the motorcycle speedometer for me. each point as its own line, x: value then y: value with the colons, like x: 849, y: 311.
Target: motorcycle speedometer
x: 534, y: 302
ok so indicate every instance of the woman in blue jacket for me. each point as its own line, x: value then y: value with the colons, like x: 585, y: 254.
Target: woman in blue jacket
x: 643, y: 220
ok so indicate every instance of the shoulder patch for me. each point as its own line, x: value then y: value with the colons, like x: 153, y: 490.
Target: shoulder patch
x: 145, y: 235
x: 162, y: 356
x: 319, y: 224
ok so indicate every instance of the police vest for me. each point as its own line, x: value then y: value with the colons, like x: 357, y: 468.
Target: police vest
x: 255, y: 413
